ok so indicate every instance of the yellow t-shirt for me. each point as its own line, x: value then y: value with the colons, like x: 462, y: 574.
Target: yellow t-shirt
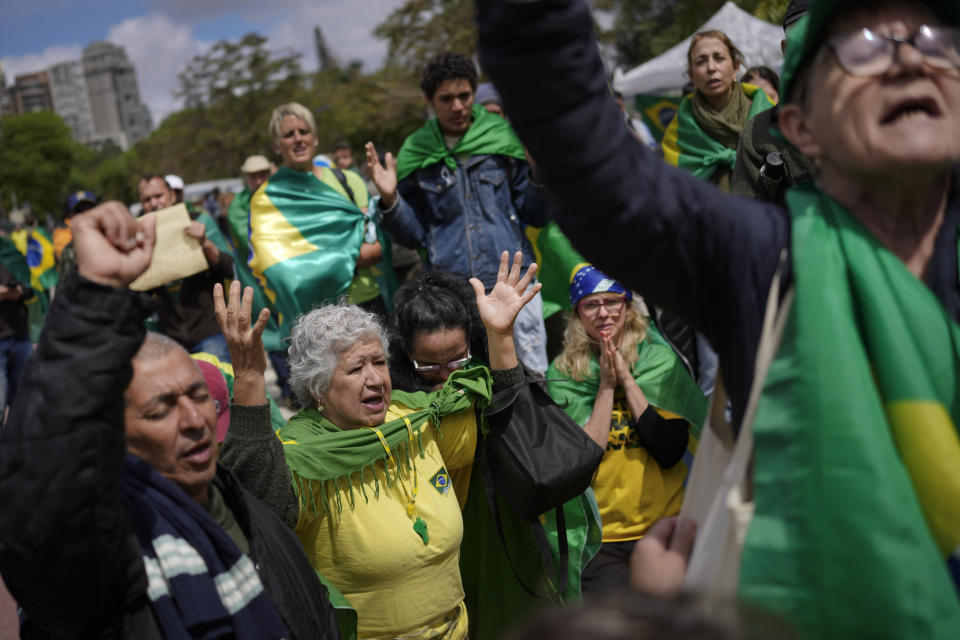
x: 632, y: 490
x: 399, y: 586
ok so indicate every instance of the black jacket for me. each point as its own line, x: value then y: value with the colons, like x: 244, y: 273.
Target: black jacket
x: 68, y: 551
x: 703, y: 256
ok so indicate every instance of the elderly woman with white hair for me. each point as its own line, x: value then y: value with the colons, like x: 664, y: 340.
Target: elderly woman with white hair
x: 310, y: 237
x: 855, y: 474
x: 379, y: 475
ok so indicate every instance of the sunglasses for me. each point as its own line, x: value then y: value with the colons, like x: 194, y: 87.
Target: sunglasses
x: 453, y: 365
x: 866, y: 53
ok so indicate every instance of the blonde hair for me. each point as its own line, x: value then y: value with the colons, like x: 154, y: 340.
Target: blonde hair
x: 735, y: 54
x: 579, y: 347
x: 290, y: 109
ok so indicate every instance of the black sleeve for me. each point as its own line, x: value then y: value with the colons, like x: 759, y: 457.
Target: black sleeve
x: 254, y: 453
x: 223, y: 270
x: 63, y: 529
x: 664, y: 438
x: 705, y: 256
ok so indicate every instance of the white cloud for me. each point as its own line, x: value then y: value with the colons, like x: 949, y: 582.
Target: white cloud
x: 347, y: 28
x: 33, y: 62
x: 159, y: 49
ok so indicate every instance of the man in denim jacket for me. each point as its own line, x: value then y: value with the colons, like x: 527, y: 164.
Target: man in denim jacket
x: 465, y: 192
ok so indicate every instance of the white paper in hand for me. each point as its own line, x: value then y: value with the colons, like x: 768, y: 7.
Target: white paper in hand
x: 175, y: 255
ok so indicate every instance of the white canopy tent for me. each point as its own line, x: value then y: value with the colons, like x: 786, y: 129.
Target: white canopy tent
x: 664, y: 75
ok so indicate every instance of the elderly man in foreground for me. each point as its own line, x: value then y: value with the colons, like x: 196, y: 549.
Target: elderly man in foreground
x: 855, y: 479
x: 117, y: 521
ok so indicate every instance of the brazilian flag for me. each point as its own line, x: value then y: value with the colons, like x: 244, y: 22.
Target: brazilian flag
x: 305, y: 239
x: 556, y: 259
x: 37, y: 246
x: 856, y: 482
x: 657, y: 112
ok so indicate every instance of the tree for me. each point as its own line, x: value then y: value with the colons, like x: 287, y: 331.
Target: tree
x: 36, y: 154
x: 418, y: 29
x: 643, y: 29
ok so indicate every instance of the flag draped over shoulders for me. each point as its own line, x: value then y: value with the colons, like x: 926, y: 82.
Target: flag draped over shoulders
x: 689, y: 146
x: 304, y: 243
x: 556, y: 259
x: 488, y: 134
x: 857, y: 459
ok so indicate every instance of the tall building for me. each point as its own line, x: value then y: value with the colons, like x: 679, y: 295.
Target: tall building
x: 68, y: 88
x: 31, y: 92
x: 118, y: 113
x: 6, y: 104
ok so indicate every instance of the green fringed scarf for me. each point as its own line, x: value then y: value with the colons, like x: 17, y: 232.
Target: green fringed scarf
x: 318, y: 451
x: 488, y: 134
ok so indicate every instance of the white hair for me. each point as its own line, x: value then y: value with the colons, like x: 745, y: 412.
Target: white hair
x: 319, y: 339
x: 290, y: 109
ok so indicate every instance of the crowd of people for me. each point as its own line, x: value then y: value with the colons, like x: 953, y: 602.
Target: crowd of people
x: 752, y: 397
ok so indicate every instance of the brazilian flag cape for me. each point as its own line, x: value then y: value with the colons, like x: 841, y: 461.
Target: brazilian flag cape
x: 305, y: 238
x: 488, y: 134
x: 15, y: 262
x: 238, y: 225
x: 686, y: 145
x: 318, y: 452
x: 857, y: 458
x: 666, y: 384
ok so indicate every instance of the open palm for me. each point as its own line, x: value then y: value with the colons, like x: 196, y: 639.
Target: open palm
x: 500, y: 307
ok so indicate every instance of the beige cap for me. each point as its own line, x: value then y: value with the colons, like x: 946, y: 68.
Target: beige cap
x: 253, y: 164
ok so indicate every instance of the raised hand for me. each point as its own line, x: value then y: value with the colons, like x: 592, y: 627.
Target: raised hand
x: 112, y: 247
x: 384, y: 177
x: 500, y: 307
x: 244, y: 343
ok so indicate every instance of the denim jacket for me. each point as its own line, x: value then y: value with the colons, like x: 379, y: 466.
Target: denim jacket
x: 467, y: 217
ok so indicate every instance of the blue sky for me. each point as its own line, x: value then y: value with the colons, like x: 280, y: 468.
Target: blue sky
x: 161, y: 36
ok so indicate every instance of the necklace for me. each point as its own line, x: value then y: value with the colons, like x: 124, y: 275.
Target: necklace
x: 419, y: 526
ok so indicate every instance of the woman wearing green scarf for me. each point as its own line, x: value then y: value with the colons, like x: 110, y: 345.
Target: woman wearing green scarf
x: 855, y: 472
x: 380, y: 476
x: 703, y: 136
x: 618, y: 379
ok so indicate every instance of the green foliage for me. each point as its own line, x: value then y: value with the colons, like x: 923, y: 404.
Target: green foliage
x: 418, y: 29
x: 644, y: 29
x: 36, y: 154
x: 105, y: 172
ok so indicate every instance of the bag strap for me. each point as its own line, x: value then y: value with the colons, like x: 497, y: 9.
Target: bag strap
x: 558, y: 575
x: 342, y: 179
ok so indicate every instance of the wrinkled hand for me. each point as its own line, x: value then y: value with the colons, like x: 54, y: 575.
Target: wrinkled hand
x: 620, y: 367
x: 659, y: 560
x: 243, y: 340
x: 112, y: 247
x: 499, y: 309
x: 384, y: 177
x: 196, y: 229
x: 609, y: 378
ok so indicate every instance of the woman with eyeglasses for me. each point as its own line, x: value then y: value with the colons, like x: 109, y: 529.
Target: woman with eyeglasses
x: 619, y: 379
x: 854, y: 474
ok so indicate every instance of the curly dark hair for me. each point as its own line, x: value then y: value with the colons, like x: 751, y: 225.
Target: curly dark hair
x: 432, y: 302
x: 447, y: 66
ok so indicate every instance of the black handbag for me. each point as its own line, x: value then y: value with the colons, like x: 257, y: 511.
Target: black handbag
x: 537, y: 458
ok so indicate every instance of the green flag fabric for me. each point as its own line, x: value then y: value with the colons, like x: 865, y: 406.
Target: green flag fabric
x: 488, y: 134
x: 318, y: 451
x: 304, y: 243
x: 238, y: 223
x: 857, y: 459
x: 686, y: 145
x: 657, y: 112
x: 556, y: 261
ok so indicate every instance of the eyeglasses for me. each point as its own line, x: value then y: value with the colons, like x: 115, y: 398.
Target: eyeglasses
x: 591, y: 308
x: 453, y: 365
x: 867, y: 53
